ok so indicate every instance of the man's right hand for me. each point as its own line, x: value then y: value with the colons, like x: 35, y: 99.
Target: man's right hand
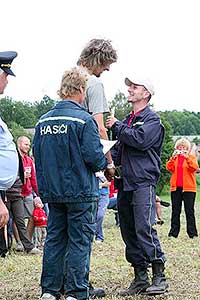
x: 110, y: 121
x: 4, y: 215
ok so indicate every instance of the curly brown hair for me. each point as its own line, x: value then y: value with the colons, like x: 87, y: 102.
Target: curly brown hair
x: 98, y: 52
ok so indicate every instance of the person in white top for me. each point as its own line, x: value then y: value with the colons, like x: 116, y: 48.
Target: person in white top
x: 97, y: 57
x: 8, y: 153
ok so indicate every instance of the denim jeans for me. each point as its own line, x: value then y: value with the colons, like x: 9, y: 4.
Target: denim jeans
x: 70, y: 231
x: 112, y: 203
x: 102, y: 207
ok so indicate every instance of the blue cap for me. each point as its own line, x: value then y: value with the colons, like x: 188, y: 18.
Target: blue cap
x: 6, y: 59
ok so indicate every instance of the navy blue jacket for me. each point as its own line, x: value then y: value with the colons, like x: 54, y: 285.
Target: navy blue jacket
x: 139, y: 149
x: 67, y: 153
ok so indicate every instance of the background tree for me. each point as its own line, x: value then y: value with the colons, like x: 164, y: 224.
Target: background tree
x: 43, y: 106
x: 167, y: 150
x: 17, y: 131
x: 121, y: 105
x: 183, y: 123
x: 22, y: 113
x: 6, y: 109
x: 19, y: 115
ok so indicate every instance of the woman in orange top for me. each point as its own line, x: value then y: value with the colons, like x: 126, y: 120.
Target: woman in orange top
x: 183, y: 166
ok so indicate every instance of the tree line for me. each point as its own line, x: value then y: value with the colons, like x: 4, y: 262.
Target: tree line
x: 26, y: 114
x: 21, y: 115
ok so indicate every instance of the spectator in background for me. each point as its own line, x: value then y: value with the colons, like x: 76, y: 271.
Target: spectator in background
x: 102, y: 205
x: 29, y: 188
x: 8, y: 153
x: 159, y: 219
x: 16, y: 208
x: 194, y: 150
x: 40, y: 222
x: 113, y: 201
x: 183, y: 165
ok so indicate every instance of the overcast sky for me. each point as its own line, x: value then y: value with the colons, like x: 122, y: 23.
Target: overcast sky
x: 154, y: 39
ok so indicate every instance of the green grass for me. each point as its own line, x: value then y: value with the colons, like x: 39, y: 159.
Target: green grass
x: 20, y: 273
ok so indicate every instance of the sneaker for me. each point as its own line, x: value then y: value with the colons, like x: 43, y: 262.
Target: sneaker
x: 36, y: 251
x: 194, y: 237
x: 47, y: 296
x: 170, y: 236
x: 70, y: 298
x: 98, y: 241
x: 19, y: 247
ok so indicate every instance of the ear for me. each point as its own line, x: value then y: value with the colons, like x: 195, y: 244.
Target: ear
x: 146, y: 94
x: 81, y: 90
x: 81, y: 95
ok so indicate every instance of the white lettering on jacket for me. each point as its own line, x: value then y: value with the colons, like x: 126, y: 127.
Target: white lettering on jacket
x: 53, y: 129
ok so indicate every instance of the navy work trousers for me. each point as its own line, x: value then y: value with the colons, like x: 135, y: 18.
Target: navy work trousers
x: 70, y: 231
x: 137, y: 210
x: 188, y: 198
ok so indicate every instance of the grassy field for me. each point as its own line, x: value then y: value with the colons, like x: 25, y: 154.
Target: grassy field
x: 20, y: 273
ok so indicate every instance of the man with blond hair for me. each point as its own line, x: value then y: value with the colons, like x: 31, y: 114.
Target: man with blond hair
x: 67, y: 153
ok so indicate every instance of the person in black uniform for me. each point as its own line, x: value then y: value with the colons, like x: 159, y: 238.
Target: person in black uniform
x: 140, y: 137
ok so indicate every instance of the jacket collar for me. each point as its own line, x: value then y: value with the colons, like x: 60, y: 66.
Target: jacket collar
x: 144, y: 111
x: 141, y: 114
x: 68, y: 104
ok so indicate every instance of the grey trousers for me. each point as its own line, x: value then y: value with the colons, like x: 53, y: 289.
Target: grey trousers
x: 40, y: 236
x: 16, y: 208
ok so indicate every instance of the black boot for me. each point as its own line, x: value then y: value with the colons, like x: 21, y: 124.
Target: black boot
x: 159, y: 284
x: 96, y: 292
x: 139, y: 284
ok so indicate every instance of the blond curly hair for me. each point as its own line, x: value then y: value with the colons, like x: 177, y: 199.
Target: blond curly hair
x: 71, y: 83
x: 184, y: 142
